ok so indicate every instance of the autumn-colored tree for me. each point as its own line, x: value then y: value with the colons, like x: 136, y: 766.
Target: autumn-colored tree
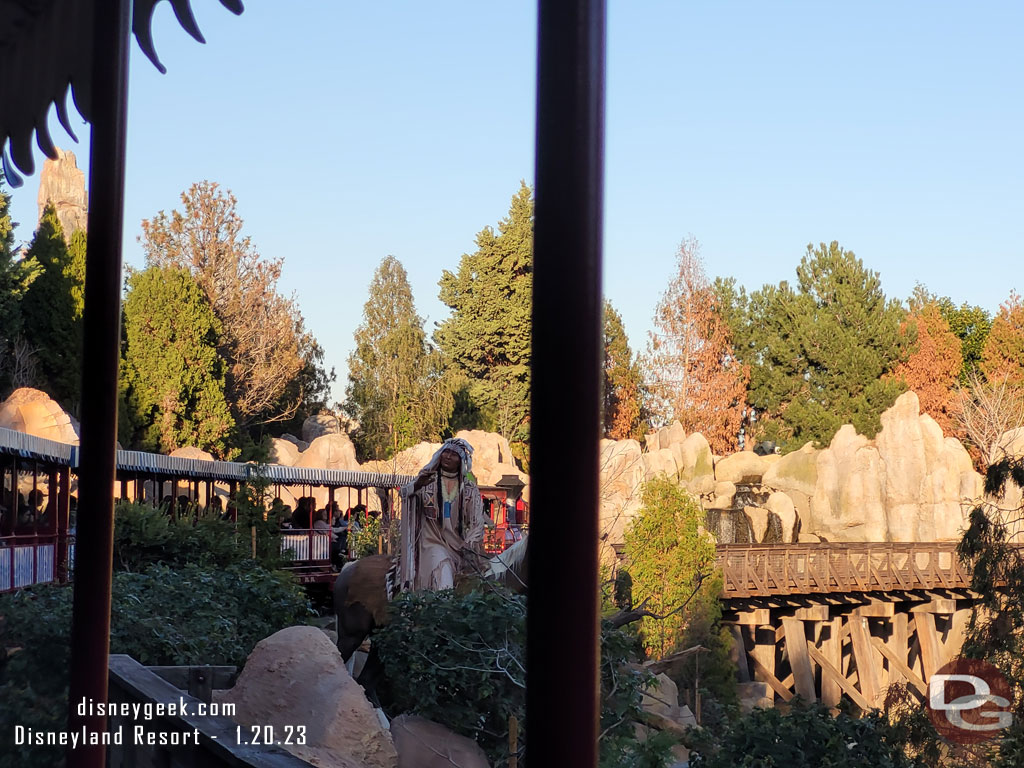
x: 1003, y: 356
x: 933, y: 367
x: 694, y: 374
x: 262, y: 338
x: 625, y: 416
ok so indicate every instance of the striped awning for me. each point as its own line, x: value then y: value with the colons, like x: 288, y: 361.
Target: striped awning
x: 13, y: 443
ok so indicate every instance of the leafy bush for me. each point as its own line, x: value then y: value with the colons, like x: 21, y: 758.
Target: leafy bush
x: 459, y: 660
x: 144, y: 535
x: 667, y: 555
x: 183, y: 615
x: 365, y: 541
x: 805, y: 737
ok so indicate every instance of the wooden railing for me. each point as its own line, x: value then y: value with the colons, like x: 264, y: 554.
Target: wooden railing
x: 796, y: 569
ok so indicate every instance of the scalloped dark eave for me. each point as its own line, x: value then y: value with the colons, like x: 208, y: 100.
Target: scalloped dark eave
x: 44, y: 55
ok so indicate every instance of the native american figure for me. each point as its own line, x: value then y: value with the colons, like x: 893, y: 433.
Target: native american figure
x: 442, y: 520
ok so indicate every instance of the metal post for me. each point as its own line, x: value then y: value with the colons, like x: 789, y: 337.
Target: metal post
x: 90, y: 625
x: 63, y: 508
x: 566, y: 370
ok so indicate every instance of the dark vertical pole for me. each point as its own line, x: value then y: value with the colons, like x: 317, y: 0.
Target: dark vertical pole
x: 90, y: 624
x: 63, y: 509
x: 566, y: 371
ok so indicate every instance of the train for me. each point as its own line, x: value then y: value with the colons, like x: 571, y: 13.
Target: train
x: 38, y: 515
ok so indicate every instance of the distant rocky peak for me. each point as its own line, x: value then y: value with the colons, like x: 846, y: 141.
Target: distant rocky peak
x: 62, y: 182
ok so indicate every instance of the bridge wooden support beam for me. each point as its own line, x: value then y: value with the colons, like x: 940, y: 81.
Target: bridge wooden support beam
x: 831, y: 648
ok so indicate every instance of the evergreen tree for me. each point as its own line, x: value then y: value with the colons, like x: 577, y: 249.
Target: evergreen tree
x: 397, y: 391
x: 819, y: 353
x: 16, y: 275
x: 487, y: 337
x: 625, y: 416
x: 173, y: 377
x: 970, y: 324
x: 52, y: 322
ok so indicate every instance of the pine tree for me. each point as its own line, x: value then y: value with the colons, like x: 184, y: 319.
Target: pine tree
x: 487, y: 337
x: 695, y: 377
x: 625, y: 415
x: 16, y: 275
x: 173, y: 377
x: 52, y: 324
x: 820, y: 353
x: 970, y: 324
x: 397, y: 391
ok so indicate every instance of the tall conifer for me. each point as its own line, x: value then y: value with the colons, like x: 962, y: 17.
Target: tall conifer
x: 397, y: 391
x: 487, y: 337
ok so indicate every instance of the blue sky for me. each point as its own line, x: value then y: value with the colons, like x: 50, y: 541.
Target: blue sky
x: 349, y: 132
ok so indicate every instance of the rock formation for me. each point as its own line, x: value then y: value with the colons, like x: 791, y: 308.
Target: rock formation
x: 296, y: 676
x: 63, y: 184
x: 422, y: 743
x: 36, y: 413
x: 909, y: 483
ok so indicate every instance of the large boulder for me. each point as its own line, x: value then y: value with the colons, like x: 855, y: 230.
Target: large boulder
x: 36, y: 413
x: 796, y: 475
x: 283, y: 452
x: 334, y: 451
x: 781, y: 505
x: 661, y: 462
x: 297, y: 676
x: 622, y: 476
x: 492, y: 458
x: 322, y: 424
x: 422, y: 743
x: 191, y: 452
x: 743, y: 467
x: 697, y: 467
x: 849, y: 502
x: 662, y: 697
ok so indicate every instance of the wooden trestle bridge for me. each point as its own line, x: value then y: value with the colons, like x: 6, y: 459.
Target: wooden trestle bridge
x: 824, y: 620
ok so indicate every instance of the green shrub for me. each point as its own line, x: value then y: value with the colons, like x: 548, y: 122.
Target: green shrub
x: 162, y: 615
x: 805, y: 737
x: 459, y: 660
x: 144, y: 536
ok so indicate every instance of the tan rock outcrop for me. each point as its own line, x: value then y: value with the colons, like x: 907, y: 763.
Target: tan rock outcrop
x: 781, y: 505
x: 36, y: 413
x: 63, y: 184
x: 191, y: 452
x: 422, y: 743
x: 296, y: 676
x: 334, y: 451
x: 743, y: 467
x: 696, y: 465
x: 322, y: 424
x: 283, y: 452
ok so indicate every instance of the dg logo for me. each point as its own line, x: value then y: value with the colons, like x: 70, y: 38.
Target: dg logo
x: 969, y: 701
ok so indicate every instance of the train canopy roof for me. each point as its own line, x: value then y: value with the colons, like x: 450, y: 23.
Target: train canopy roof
x: 140, y: 463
